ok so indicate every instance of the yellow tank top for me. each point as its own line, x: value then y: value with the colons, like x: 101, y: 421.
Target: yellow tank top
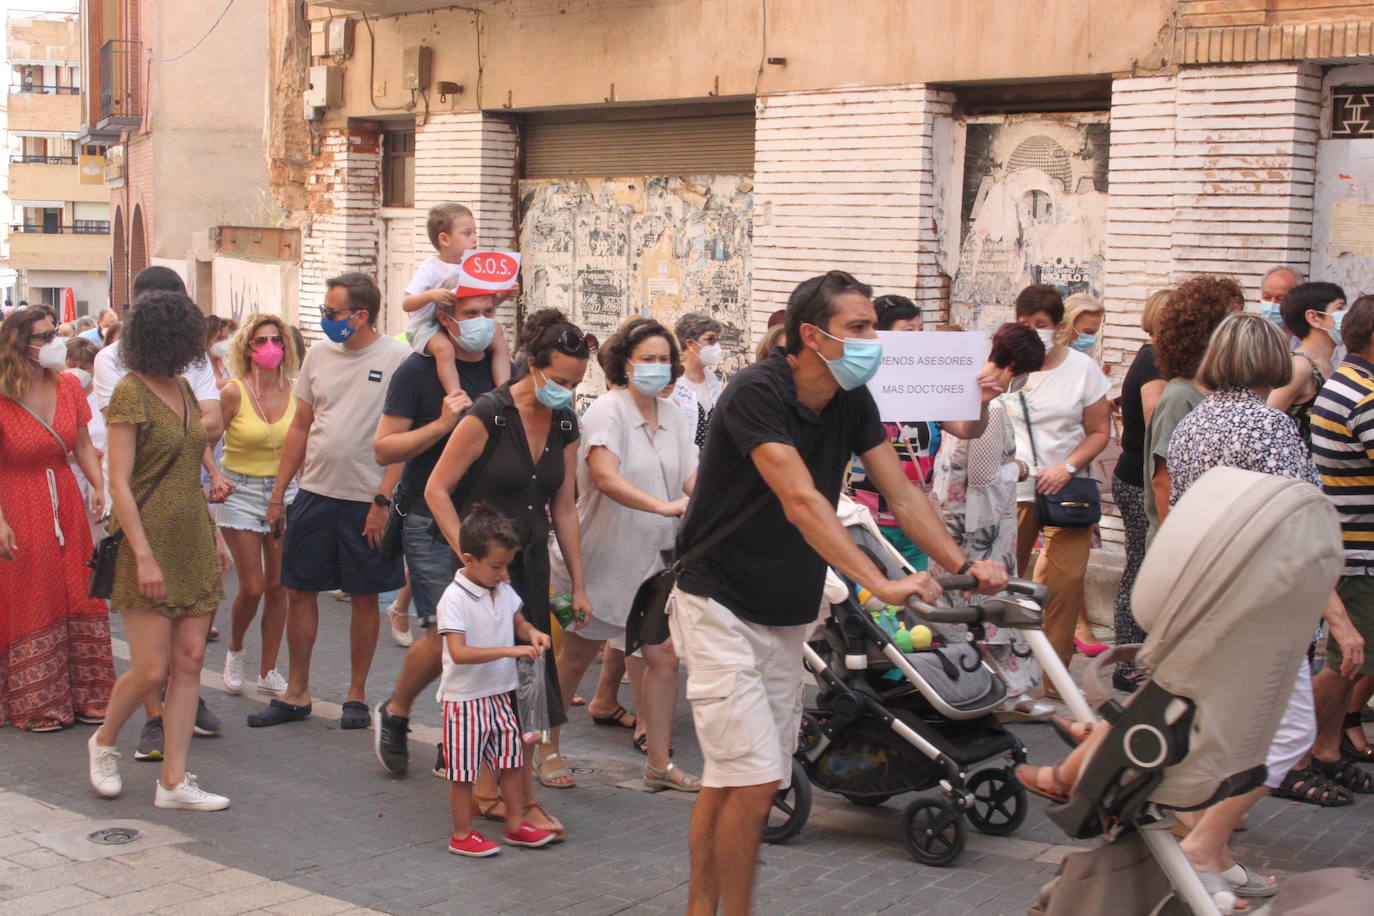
x: 251, y: 446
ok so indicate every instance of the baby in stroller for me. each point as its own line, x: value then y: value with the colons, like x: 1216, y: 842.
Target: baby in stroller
x: 906, y: 704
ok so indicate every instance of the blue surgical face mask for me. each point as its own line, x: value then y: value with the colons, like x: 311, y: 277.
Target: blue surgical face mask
x: 475, y: 334
x: 651, y: 378
x: 553, y: 395
x: 337, y: 331
x: 1084, y: 343
x: 1272, y: 311
x: 1335, y: 330
x: 860, y: 361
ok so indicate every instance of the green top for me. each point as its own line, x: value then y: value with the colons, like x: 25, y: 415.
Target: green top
x: 1179, y: 398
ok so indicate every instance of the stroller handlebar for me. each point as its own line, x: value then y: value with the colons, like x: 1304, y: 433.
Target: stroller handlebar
x: 958, y: 583
x: 1002, y: 613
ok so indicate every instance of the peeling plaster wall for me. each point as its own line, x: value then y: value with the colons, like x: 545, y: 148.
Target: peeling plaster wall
x: 1344, y: 192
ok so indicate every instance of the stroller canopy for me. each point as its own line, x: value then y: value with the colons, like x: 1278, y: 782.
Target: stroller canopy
x: 1229, y: 593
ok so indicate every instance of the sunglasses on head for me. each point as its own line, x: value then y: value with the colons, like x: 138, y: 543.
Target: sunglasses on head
x: 267, y: 339
x: 574, y: 344
x: 45, y: 337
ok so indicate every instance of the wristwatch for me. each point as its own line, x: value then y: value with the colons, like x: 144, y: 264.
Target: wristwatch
x: 1070, y: 467
x: 381, y: 500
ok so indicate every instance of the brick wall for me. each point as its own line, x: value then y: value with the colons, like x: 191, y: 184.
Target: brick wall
x: 468, y: 158
x: 345, y: 192
x: 1215, y: 13
x: 845, y: 179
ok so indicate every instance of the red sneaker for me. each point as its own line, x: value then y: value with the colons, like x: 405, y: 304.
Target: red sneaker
x: 530, y: 836
x: 474, y: 845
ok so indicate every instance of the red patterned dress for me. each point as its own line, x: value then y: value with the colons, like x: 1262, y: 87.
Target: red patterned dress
x: 55, y: 660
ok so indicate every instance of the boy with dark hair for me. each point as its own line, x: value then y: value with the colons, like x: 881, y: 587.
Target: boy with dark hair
x: 480, y: 621
x: 453, y: 233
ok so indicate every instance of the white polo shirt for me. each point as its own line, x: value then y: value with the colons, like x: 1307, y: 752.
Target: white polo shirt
x: 486, y: 617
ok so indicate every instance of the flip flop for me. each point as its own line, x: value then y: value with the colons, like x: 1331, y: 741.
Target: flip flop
x: 617, y: 718
x: 1247, y: 883
x: 277, y: 713
x: 355, y: 715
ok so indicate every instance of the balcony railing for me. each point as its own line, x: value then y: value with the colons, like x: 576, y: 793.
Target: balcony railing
x: 92, y: 227
x: 46, y: 90
x: 35, y: 159
x: 119, y: 96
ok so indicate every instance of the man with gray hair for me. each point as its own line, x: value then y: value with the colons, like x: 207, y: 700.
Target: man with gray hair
x: 1274, y: 286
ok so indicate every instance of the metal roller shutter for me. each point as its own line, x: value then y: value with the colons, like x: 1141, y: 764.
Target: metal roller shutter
x: 670, y: 145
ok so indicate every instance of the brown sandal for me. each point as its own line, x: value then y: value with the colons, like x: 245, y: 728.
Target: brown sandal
x: 485, y: 807
x: 552, y: 824
x: 1029, y: 777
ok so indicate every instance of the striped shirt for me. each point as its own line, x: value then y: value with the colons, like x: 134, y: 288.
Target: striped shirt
x: 1343, y: 447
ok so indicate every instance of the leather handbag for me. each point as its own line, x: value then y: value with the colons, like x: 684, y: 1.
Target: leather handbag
x: 1077, y: 505
x: 647, y: 623
x: 106, y: 552
x: 390, y: 546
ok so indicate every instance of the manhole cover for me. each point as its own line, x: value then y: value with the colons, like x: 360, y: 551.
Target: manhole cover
x: 583, y: 770
x: 113, y: 836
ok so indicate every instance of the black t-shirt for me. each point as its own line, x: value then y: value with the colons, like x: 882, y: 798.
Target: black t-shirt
x: 417, y: 395
x: 1130, y: 467
x: 765, y: 572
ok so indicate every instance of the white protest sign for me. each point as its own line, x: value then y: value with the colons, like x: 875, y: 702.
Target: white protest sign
x: 929, y: 375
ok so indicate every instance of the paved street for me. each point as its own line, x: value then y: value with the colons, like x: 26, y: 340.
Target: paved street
x: 315, y: 828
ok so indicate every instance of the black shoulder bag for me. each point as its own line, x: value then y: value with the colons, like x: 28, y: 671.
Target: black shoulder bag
x: 1077, y: 505
x: 647, y: 623
x: 473, y: 473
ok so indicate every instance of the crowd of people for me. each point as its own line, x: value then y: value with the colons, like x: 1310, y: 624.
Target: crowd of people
x: 467, y: 475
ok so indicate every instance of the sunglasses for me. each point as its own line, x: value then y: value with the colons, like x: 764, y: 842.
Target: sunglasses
x: 575, y: 344
x: 45, y: 337
x: 330, y: 314
x: 264, y: 341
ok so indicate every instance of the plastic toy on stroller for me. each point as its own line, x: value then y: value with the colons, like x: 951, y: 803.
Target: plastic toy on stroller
x: 888, y: 722
x: 1229, y: 594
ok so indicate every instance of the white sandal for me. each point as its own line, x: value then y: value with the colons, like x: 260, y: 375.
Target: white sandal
x: 671, y: 777
x: 404, y: 638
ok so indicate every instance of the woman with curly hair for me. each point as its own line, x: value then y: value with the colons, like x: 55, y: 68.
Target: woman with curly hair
x: 55, y: 661
x: 638, y: 466
x: 1182, y: 331
x: 167, y: 578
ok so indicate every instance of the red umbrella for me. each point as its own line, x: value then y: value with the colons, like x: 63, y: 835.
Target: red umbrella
x: 69, y: 305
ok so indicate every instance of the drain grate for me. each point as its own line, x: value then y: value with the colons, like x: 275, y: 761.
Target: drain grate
x: 113, y: 836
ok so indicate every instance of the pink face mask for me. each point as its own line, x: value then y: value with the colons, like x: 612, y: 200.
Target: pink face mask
x: 268, y: 356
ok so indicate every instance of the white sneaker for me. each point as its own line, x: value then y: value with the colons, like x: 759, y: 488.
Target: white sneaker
x: 233, y: 671
x: 104, y: 769
x: 188, y: 797
x: 272, y: 682
x: 404, y: 638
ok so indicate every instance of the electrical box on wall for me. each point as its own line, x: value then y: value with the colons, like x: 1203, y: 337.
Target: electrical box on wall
x: 319, y: 38
x: 341, y: 38
x: 326, y: 87
x: 415, y: 67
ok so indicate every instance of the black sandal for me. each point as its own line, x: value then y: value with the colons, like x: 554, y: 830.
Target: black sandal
x: 1344, y: 773
x: 641, y: 743
x: 617, y: 719
x: 1348, y: 749
x: 1311, y: 786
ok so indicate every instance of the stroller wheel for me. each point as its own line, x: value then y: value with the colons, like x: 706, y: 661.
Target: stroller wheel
x: 1000, y: 802
x: 867, y: 801
x: 933, y: 831
x: 791, y: 808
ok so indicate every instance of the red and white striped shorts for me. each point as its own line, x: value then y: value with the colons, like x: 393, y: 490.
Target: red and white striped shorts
x: 480, y: 731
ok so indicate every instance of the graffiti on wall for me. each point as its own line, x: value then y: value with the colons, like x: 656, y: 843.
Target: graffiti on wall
x: 243, y: 287
x: 603, y: 250
x: 1034, y: 210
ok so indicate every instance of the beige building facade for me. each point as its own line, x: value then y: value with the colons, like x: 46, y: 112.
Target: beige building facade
x: 671, y: 156
x: 177, y: 94
x: 59, y: 235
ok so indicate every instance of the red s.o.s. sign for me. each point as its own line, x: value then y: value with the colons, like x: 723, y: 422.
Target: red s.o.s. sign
x: 494, y: 267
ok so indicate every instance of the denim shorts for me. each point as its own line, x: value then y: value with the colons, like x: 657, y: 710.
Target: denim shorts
x: 246, y: 507
x: 430, y: 561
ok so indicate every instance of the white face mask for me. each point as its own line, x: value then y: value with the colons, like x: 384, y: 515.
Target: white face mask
x: 711, y: 355
x: 219, y: 349
x: 82, y: 376
x: 53, y: 354
x: 1046, y: 336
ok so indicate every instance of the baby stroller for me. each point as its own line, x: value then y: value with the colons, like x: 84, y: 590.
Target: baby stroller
x: 1229, y: 594
x: 888, y: 722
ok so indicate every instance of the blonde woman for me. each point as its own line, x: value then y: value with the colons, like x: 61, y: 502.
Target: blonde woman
x: 1084, y: 316
x: 258, y: 408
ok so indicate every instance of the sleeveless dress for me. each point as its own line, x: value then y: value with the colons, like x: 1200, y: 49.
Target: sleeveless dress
x: 1302, y: 413
x: 55, y: 659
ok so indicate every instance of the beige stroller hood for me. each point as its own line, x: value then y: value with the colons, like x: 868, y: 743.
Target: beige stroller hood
x: 1229, y: 593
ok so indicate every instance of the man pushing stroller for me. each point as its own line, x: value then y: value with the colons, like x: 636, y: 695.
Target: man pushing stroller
x: 771, y: 471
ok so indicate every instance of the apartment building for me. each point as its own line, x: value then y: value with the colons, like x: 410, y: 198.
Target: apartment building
x: 59, y: 233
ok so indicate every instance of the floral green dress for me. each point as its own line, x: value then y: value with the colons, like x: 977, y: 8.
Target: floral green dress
x: 176, y: 518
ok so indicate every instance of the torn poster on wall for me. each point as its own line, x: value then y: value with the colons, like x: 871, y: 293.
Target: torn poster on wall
x: 603, y: 250
x: 1034, y: 210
